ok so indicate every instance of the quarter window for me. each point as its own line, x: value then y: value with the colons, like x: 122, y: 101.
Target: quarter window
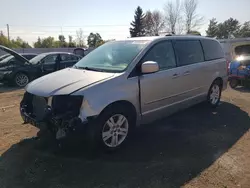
x: 212, y: 50
x: 163, y: 54
x: 188, y: 52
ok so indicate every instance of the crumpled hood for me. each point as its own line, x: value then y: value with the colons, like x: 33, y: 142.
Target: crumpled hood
x: 65, y: 81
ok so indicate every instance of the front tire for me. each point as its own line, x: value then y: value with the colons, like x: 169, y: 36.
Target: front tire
x: 21, y: 79
x: 112, y: 128
x: 214, y: 93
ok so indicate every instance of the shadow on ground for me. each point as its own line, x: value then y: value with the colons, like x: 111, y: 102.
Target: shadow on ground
x: 243, y: 89
x: 6, y: 88
x: 167, y: 153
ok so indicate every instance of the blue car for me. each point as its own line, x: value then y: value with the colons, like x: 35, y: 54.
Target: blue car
x: 239, y: 71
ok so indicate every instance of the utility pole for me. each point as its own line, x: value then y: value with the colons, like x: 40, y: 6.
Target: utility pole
x: 8, y: 32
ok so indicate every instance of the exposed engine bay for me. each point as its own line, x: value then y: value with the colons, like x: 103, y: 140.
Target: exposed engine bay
x: 60, y: 114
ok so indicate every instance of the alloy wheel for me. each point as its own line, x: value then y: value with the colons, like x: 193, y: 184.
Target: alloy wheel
x: 21, y: 79
x: 115, y: 130
x: 214, y: 94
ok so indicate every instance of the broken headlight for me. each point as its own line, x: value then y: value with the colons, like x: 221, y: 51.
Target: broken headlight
x: 62, y: 104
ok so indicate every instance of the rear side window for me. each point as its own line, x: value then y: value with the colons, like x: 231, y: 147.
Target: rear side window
x: 188, y: 52
x: 212, y: 50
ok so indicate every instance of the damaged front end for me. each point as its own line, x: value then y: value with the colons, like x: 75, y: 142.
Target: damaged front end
x: 60, y: 114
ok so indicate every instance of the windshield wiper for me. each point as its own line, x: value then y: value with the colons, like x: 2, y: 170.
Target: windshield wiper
x: 89, y: 68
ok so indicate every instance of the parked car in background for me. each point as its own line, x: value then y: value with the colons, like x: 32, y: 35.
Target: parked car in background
x: 125, y: 83
x: 79, y: 51
x: 239, y: 71
x: 4, y: 56
x: 234, y: 48
x: 12, y: 60
x: 22, y: 71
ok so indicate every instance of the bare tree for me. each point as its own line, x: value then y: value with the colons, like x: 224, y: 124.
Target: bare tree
x: 172, y: 15
x: 154, y: 23
x: 80, y: 38
x: 192, y: 19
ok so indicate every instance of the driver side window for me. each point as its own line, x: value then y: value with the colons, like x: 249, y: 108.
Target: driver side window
x: 163, y: 54
x: 50, y: 59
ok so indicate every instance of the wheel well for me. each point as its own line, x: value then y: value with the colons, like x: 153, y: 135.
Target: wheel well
x: 219, y: 79
x: 23, y: 73
x: 125, y: 105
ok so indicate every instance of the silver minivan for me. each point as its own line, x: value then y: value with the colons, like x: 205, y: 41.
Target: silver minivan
x: 125, y: 83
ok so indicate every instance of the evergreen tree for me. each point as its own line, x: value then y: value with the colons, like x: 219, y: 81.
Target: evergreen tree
x: 212, y: 29
x: 138, y: 26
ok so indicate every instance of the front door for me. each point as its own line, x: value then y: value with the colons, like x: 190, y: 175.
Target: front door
x: 161, y: 89
x: 49, y: 63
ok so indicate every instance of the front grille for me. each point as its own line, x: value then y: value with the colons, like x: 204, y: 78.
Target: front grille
x: 39, y: 105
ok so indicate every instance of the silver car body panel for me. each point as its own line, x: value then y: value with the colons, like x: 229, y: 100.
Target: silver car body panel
x: 65, y: 82
x: 153, y: 95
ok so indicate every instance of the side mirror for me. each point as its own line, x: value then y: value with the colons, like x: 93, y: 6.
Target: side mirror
x: 149, y: 67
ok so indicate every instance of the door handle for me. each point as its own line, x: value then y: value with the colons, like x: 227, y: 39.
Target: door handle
x: 186, y: 73
x: 175, y: 75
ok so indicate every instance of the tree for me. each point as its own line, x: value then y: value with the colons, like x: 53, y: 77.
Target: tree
x: 192, y: 19
x: 71, y: 43
x: 138, y: 24
x: 38, y: 44
x: 48, y: 42
x: 212, y: 29
x: 194, y: 33
x: 154, y: 23
x: 245, y: 30
x: 229, y: 29
x: 172, y: 15
x: 80, y: 38
x: 19, y: 43
x: 62, y: 42
x: 94, y: 40
x: 4, y: 40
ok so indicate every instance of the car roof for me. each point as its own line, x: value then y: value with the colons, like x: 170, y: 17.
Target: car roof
x: 50, y: 53
x: 174, y: 37
x: 27, y: 54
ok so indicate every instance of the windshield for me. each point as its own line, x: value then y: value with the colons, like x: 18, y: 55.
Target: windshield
x: 37, y: 59
x: 112, y: 56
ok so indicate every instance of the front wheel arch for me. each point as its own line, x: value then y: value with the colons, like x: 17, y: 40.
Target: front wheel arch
x: 125, y: 104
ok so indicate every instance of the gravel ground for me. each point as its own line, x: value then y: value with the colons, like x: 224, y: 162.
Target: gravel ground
x: 198, y: 147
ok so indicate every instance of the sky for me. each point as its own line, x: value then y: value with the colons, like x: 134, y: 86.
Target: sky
x: 111, y: 18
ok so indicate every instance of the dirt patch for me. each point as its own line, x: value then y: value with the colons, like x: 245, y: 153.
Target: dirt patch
x: 198, y: 147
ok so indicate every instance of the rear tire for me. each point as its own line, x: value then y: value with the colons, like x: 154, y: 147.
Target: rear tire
x: 214, y: 93
x: 233, y: 83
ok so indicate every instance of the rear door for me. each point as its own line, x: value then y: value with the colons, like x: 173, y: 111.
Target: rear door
x: 190, y: 61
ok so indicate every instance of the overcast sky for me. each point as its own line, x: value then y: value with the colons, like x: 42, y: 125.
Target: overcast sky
x: 30, y: 18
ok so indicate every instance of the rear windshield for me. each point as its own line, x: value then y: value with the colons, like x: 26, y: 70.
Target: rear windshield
x: 242, y: 50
